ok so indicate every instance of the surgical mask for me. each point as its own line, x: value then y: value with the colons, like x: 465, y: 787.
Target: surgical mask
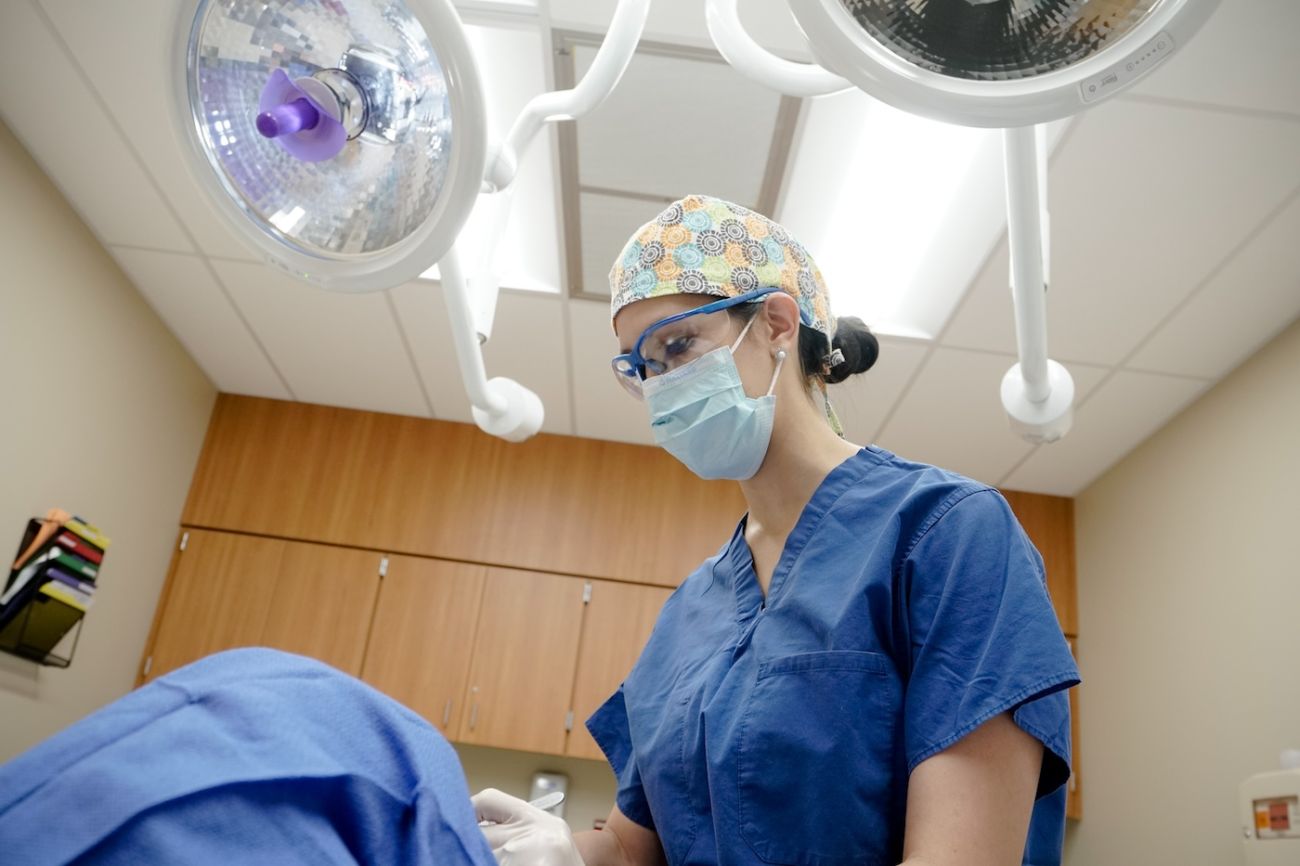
x: 700, y: 414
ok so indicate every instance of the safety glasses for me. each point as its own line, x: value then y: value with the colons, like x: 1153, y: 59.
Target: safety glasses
x: 675, y: 341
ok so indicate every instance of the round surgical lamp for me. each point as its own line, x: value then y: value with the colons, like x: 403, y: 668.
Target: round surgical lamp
x: 344, y: 140
x: 1009, y: 64
x: 996, y: 63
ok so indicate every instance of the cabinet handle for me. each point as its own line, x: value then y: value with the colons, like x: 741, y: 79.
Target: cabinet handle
x: 473, y: 715
x: 446, y: 713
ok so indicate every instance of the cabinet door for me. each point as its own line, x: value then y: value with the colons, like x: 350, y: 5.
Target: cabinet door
x: 525, y: 653
x: 219, y: 597
x: 422, y: 636
x: 1074, y: 794
x: 1049, y: 523
x: 323, y: 601
x: 620, y: 617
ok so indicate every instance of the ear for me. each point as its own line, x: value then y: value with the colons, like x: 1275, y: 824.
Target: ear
x: 780, y: 318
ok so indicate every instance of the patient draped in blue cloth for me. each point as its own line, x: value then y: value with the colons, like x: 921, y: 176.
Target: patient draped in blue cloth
x: 248, y: 756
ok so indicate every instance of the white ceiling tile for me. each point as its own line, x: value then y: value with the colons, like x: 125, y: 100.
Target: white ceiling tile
x: 719, y: 127
x: 183, y: 291
x: 1244, y: 56
x: 423, y: 316
x: 125, y: 48
x: 952, y: 414
x: 602, y: 408
x: 952, y: 417
x: 1240, y: 309
x: 67, y: 131
x: 335, y: 349
x: 1145, y: 201
x: 862, y: 402
x: 607, y: 223
x: 1123, y: 412
x: 527, y: 345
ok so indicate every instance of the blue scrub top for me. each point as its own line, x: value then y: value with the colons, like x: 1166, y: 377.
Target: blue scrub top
x: 247, y: 756
x: 907, y: 608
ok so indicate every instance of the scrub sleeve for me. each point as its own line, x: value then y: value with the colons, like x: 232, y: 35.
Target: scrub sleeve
x: 984, y: 636
x: 608, y: 726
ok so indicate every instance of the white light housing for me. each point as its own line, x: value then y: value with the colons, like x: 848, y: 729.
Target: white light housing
x: 999, y: 63
x: 402, y: 82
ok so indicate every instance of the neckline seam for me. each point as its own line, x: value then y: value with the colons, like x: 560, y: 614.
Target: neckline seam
x: 805, y: 532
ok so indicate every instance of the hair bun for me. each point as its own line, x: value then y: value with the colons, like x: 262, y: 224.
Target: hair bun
x: 857, y: 344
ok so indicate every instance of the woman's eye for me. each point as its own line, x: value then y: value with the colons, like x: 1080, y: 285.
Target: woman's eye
x: 677, y: 346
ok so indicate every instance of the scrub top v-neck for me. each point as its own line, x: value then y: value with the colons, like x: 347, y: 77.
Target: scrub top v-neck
x: 906, y: 609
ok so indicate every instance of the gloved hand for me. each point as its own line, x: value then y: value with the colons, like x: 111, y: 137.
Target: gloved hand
x: 523, y: 835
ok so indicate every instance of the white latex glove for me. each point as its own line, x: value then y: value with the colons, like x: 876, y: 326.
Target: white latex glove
x: 523, y: 835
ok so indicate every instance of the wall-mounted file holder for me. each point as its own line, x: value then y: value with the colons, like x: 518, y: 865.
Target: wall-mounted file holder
x: 50, y: 588
x: 39, y: 630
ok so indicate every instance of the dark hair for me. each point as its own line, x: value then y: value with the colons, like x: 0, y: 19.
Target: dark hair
x: 853, y: 340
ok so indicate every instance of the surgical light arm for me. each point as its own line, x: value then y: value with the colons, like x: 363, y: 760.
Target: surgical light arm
x: 611, y: 61
x: 755, y: 62
x: 1037, y: 392
x: 502, y: 406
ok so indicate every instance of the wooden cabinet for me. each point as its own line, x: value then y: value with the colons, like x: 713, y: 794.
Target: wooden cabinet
x: 423, y: 635
x: 524, y: 658
x: 506, y: 658
x: 228, y: 590
x: 620, y: 617
x: 491, y: 656
x: 217, y: 597
x: 450, y: 491
x: 1049, y: 523
x: 327, y: 595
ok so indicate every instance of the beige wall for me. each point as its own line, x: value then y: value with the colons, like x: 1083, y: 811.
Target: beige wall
x: 591, y: 783
x: 104, y: 415
x: 1189, y: 622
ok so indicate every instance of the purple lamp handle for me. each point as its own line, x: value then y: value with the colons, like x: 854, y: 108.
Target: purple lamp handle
x: 288, y: 114
x: 288, y: 118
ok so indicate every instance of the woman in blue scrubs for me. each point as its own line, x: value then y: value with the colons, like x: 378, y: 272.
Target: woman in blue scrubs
x: 869, y: 671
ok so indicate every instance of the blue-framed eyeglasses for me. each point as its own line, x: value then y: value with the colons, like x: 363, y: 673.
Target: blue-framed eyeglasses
x: 677, y: 340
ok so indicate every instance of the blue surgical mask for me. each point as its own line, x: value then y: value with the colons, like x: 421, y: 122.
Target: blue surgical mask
x: 701, y: 415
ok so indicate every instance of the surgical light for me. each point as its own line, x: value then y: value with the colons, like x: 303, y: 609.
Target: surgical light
x: 1010, y: 64
x: 341, y: 142
x: 346, y: 142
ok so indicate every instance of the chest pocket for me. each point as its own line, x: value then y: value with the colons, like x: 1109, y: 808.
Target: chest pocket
x: 817, y: 768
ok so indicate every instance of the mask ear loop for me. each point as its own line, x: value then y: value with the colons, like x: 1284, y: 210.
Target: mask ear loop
x: 780, y: 360
x: 743, y: 332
